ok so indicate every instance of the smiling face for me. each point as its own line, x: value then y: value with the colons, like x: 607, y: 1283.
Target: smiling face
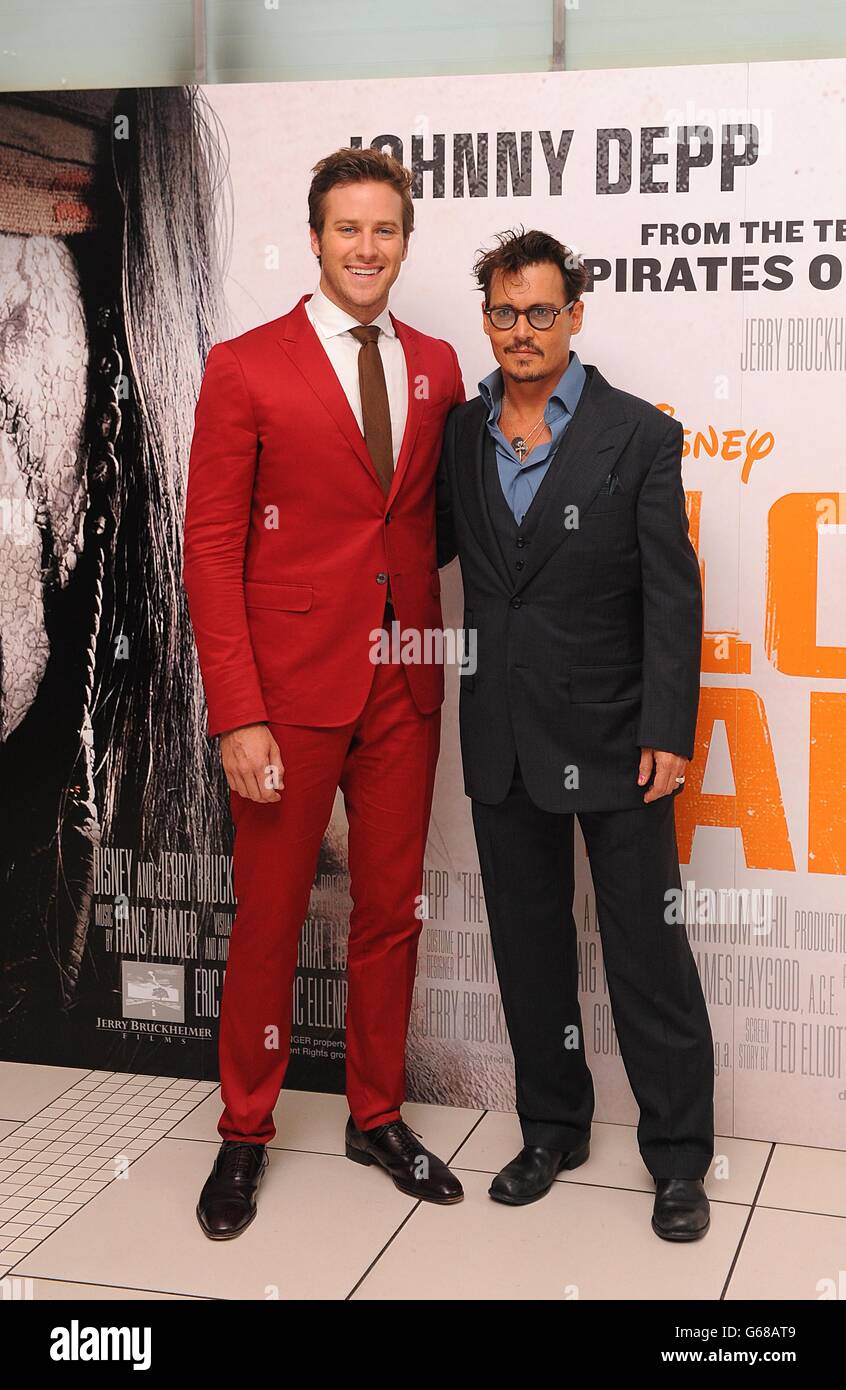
x: 361, y: 246
x: 525, y: 353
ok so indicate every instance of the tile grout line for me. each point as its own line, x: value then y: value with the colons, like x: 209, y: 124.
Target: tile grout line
x: 128, y: 1288
x: 123, y: 1085
x: 122, y: 1093
x: 803, y: 1211
x: 746, y: 1225
x: 18, y: 1123
x: 377, y: 1257
x: 471, y: 1131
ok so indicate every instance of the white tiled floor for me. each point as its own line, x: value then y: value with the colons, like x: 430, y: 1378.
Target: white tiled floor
x: 100, y: 1174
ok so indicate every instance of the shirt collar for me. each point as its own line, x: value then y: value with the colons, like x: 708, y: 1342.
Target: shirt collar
x: 566, y: 392
x: 330, y: 320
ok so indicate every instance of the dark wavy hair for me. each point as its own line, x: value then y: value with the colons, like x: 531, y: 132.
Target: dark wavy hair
x: 517, y: 249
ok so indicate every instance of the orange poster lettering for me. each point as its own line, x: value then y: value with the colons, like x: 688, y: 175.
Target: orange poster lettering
x: 790, y: 628
x: 755, y: 808
x: 827, y: 784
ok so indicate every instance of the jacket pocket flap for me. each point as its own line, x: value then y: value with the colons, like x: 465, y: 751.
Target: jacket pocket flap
x: 260, y: 593
x: 600, y: 683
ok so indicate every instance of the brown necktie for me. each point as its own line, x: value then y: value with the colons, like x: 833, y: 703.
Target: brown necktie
x: 374, y: 403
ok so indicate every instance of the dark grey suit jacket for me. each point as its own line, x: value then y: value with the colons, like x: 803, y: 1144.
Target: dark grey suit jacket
x: 589, y: 649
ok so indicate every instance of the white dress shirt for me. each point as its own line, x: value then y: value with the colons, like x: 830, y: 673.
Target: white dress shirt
x: 332, y: 326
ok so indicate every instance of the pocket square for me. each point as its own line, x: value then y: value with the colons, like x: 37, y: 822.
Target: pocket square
x: 612, y: 483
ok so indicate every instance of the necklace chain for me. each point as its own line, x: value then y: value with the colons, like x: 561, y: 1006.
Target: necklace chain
x: 520, y: 442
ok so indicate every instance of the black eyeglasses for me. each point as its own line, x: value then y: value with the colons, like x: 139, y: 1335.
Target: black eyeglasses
x: 540, y: 316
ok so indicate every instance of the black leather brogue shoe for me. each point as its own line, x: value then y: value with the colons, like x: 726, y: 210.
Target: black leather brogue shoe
x: 399, y: 1150
x: 227, y: 1202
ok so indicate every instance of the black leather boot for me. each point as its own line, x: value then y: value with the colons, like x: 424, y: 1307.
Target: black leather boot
x: 227, y: 1202
x: 531, y: 1174
x: 415, y: 1171
x: 681, y: 1211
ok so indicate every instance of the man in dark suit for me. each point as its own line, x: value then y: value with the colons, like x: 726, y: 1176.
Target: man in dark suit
x: 563, y: 499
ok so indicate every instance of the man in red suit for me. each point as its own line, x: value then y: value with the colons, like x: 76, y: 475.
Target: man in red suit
x: 310, y: 526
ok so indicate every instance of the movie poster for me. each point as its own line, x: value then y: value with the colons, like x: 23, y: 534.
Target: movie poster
x: 139, y: 227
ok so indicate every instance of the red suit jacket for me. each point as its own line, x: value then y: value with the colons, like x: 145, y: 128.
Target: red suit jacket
x: 289, y: 539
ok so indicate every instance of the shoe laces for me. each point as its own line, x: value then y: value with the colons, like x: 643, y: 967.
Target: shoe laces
x: 237, y: 1161
x: 403, y: 1133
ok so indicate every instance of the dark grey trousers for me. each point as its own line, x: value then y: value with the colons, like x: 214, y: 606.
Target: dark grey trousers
x: 526, y: 859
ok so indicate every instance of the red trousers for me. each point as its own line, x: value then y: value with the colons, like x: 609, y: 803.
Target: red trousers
x: 384, y: 763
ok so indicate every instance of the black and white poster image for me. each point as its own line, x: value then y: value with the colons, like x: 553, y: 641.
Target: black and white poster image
x: 115, y: 836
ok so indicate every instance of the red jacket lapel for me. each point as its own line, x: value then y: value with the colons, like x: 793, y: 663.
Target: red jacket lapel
x: 306, y: 355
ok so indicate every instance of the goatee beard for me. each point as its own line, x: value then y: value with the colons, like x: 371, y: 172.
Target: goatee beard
x: 527, y: 376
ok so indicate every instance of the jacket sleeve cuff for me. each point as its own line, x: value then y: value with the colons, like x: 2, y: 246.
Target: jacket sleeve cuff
x: 223, y: 721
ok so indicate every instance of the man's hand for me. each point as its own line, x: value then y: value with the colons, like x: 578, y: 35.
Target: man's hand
x: 668, y: 766
x: 252, y: 762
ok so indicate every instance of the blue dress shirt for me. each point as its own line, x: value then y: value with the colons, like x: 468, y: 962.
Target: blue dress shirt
x: 520, y: 481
